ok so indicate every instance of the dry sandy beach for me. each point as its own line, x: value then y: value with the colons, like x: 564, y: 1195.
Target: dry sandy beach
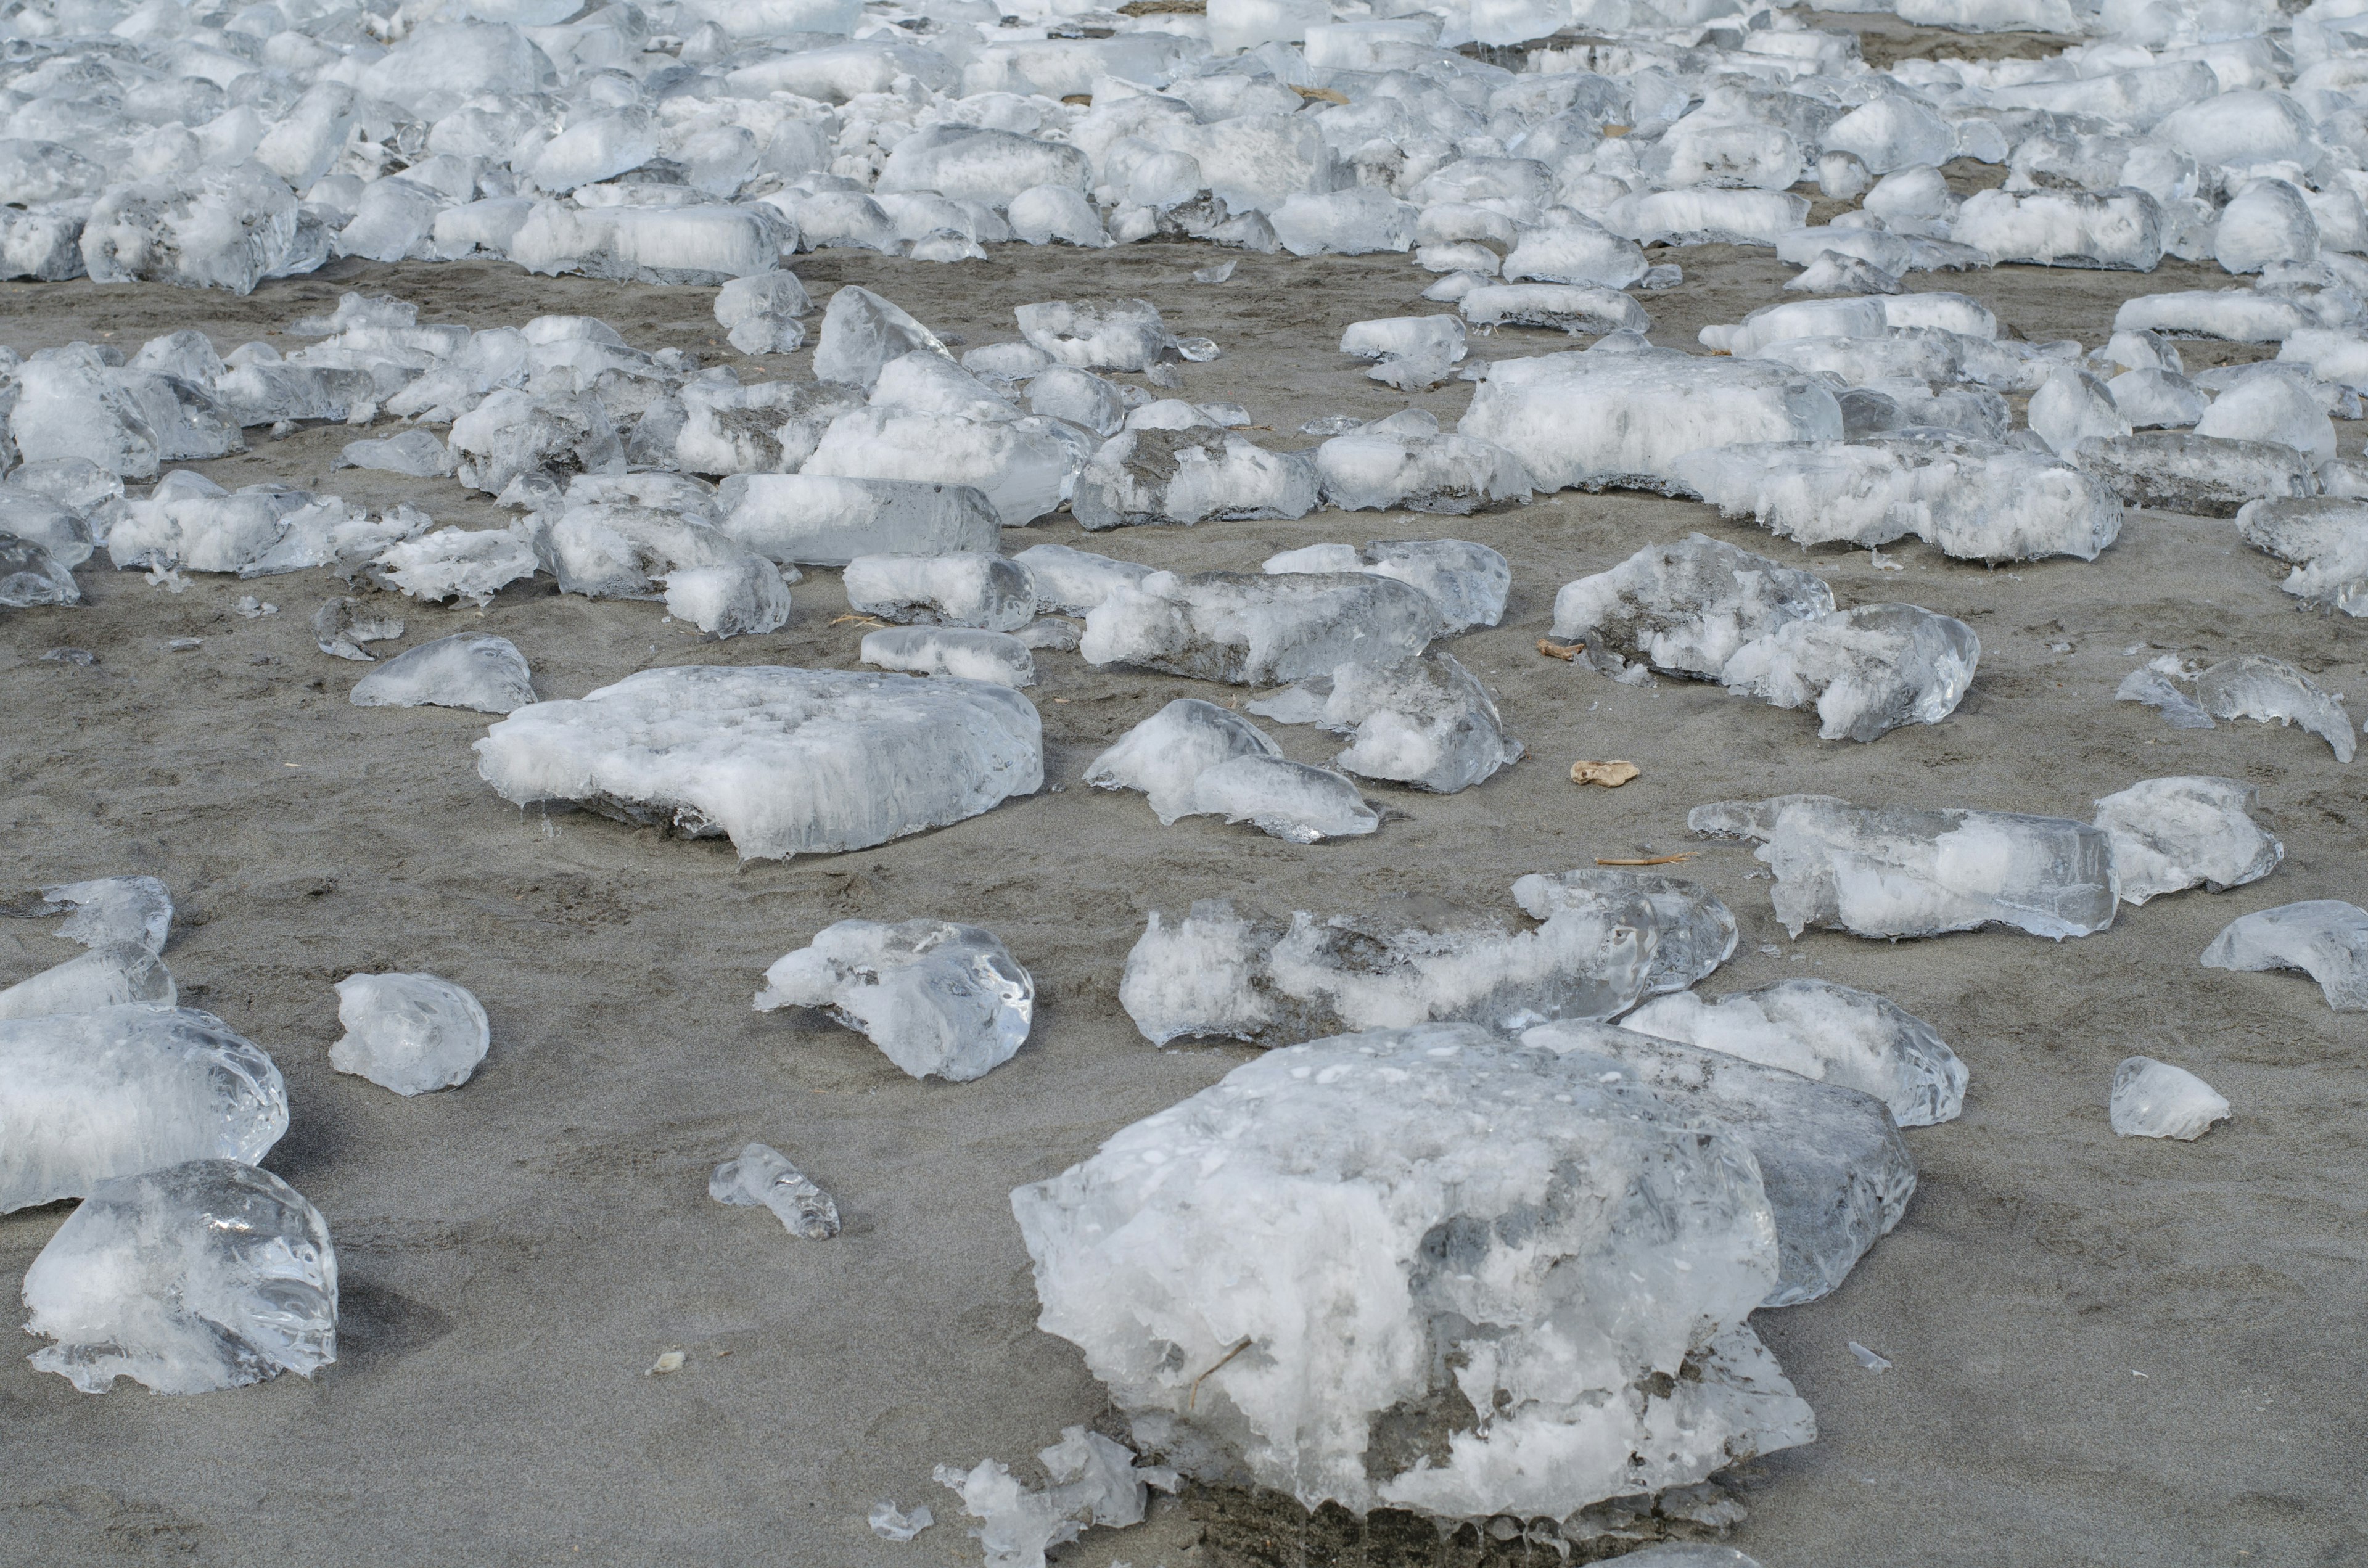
x: 2106, y: 1351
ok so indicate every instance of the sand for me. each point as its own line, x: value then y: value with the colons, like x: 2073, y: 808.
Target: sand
x: 2105, y: 1351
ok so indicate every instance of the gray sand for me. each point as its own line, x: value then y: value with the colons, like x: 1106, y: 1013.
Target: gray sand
x: 2106, y: 1351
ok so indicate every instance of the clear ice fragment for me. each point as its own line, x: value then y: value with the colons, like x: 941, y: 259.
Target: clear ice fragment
x: 113, y: 909
x: 467, y: 670
x: 1468, y: 581
x: 115, y: 975
x: 937, y: 998
x: 1095, y: 1480
x: 2156, y: 689
x: 2173, y: 834
x: 1825, y: 1031
x: 2254, y: 686
x: 411, y: 1033
x: 890, y: 1523
x: 759, y: 1173
x: 2325, y: 938
x: 1287, y: 800
x: 2153, y: 1099
x: 341, y: 626
x: 1687, y: 930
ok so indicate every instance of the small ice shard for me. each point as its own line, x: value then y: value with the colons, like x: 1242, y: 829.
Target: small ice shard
x: 783, y: 761
x: 2325, y: 938
x: 1287, y: 800
x: 1899, y: 871
x: 1217, y: 274
x: 1405, y: 461
x: 1071, y: 581
x: 1166, y: 753
x: 1382, y: 1231
x: 1836, y: 1170
x: 890, y: 1523
x: 996, y: 657
x: 2154, y: 687
x: 1867, y: 1359
x: 1468, y: 581
x: 2325, y: 538
x: 2254, y: 686
x: 935, y: 997
x: 115, y: 975
x: 967, y: 588
x: 1825, y: 1031
x: 467, y: 670
x: 1249, y: 629
x: 120, y: 1090
x: 189, y: 1278
x: 341, y: 626
x: 1425, y: 722
x: 1684, y: 608
x: 1689, y: 930
x: 2153, y: 1099
x: 113, y: 909
x: 762, y: 1175
x: 2173, y: 834
x: 1053, y: 633
x: 251, y: 609
x: 1869, y: 669
x: 411, y: 1033
x: 1094, y: 1481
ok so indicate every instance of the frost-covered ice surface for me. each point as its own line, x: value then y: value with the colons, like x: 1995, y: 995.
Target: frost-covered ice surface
x: 2255, y: 685
x: 1320, y: 1247
x: 189, y: 1277
x: 467, y: 670
x: 1901, y: 871
x: 2325, y: 938
x: 761, y: 1174
x: 1468, y: 581
x: 1688, y: 931
x: 2173, y: 834
x: 1869, y: 669
x: 967, y: 588
x: 2205, y: 476
x: 1071, y: 581
x: 473, y: 564
x: 2325, y: 538
x: 783, y: 761
x: 937, y: 998
x: 411, y: 1033
x: 114, y: 974
x: 1095, y: 1480
x: 1150, y: 476
x: 1821, y: 1030
x: 996, y: 657
x: 814, y: 520
x: 107, y: 910
x: 1424, y: 722
x: 1166, y: 753
x: 1684, y: 608
x: 2155, y: 1099
x: 1250, y: 628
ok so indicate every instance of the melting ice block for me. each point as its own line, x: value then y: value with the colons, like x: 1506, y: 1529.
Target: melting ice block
x: 198, y: 1276
x: 1166, y: 753
x: 411, y: 1033
x: 1896, y: 871
x: 1688, y: 929
x: 760, y: 1174
x: 119, y: 1090
x: 2254, y: 686
x: 1468, y: 581
x: 1684, y: 608
x: 1425, y: 722
x: 935, y: 997
x: 1250, y: 628
x: 29, y: 575
x: 1405, y: 462
x: 996, y: 657
x: 1147, y: 477
x: 2153, y: 1099
x: 816, y: 520
x: 1312, y: 1272
x: 783, y: 761
x: 969, y: 588
x: 1825, y: 1031
x: 114, y: 974
x: 1071, y: 581
x: 862, y: 332
x: 113, y: 909
x: 2172, y: 834
x: 467, y: 670
x: 1284, y: 799
x: 2325, y: 938
x: 1869, y: 670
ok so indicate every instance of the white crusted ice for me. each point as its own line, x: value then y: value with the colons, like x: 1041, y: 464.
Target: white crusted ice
x: 1825, y: 1031
x: 1251, y: 629
x: 962, y: 588
x: 937, y: 998
x: 411, y: 1033
x: 815, y: 519
x: 1687, y: 931
x: 1869, y: 670
x: 1684, y: 608
x: 2173, y: 834
x: 996, y: 657
x: 1166, y: 753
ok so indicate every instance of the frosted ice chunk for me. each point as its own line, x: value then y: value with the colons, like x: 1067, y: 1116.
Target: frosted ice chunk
x: 1684, y: 608
x: 733, y: 599
x: 1043, y: 213
x: 219, y: 229
x: 1429, y: 336
x: 2154, y: 687
x: 1123, y: 335
x: 1080, y: 397
x: 1150, y: 476
x: 1573, y: 308
x: 1359, y: 221
x: 1467, y: 582
x: 2266, y: 223
x: 1201, y: 1262
x: 417, y: 453
x: 1252, y: 630
x: 1689, y: 931
x: 1703, y: 216
x: 2205, y: 476
x: 1166, y: 753
x: 2154, y: 400
x: 2254, y: 686
x: 1869, y: 669
x: 1283, y: 798
x: 1023, y: 466
x: 2272, y: 407
x: 1831, y: 1160
x: 2325, y: 938
x: 469, y: 670
x: 515, y: 433
x: 2172, y: 834
x: 759, y: 313
x: 71, y: 405
x: 1071, y: 581
x: 2238, y: 315
x: 2325, y: 537
x: 784, y: 761
x: 814, y: 520
x: 996, y: 657
x: 969, y: 588
x: 198, y: 1276
x: 1425, y: 722
x: 1830, y: 272
x: 1825, y: 1031
x: 935, y: 997
x: 1576, y: 250
x: 116, y: 974
x: 113, y: 909
x: 2073, y: 407
x: 29, y: 575
x: 1095, y: 1480
x: 411, y: 1033
x: 760, y: 1174
x: 862, y: 332
x: 1403, y: 462
x: 1892, y: 131
x: 2153, y: 1099
x: 2120, y: 229
x: 119, y: 1090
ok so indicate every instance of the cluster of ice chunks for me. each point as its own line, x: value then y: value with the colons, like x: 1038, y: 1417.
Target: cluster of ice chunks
x: 938, y: 999
x: 411, y: 1033
x: 469, y: 669
x: 1249, y: 629
x: 2326, y: 938
x: 1194, y: 758
x: 1825, y: 1031
x: 761, y: 1174
x: 1706, y: 610
x: 782, y: 761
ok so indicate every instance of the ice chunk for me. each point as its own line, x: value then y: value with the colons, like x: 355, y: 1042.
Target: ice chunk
x: 1285, y: 800
x: 993, y: 656
x: 1830, y: 272
x: 1123, y: 335
x: 1252, y: 630
x: 1575, y: 308
x: 1684, y: 608
x: 2325, y: 537
x: 114, y: 975
x: 411, y: 1033
x: 469, y: 670
x: 197, y: 1276
x: 1869, y: 669
x: 1899, y: 871
x: 1080, y: 397
x: 2073, y: 407
x: 1043, y: 213
x: 1825, y: 1031
x: 417, y: 453
x: 761, y: 313
x: 1071, y: 581
x: 2266, y: 223
x: 2205, y: 476
x: 1166, y: 753
x: 2238, y: 315
x: 1689, y: 931
x: 729, y: 598
x: 1425, y: 722
x: 1404, y: 462
x: 760, y: 1174
x: 2154, y: 687
x: 341, y: 626
x: 227, y: 228
x: 2276, y: 407
x: 937, y: 998
x: 811, y: 520
x: 1467, y: 582
x: 2155, y: 400
x: 862, y: 332
x: 2153, y: 1099
x: 1703, y: 216
x: 113, y: 909
x: 29, y: 575
x: 2172, y: 833
x: 1023, y: 466
x: 969, y: 589
x: 784, y: 761
x: 119, y: 1090
x: 2325, y: 938
x: 2120, y: 229
x: 1151, y: 476
x: 1359, y: 221
x: 2254, y: 686
x: 1094, y: 1481
x: 1203, y: 1263
x: 1576, y: 250
x: 515, y: 433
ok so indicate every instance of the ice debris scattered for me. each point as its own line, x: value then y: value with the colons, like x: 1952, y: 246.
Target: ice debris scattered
x: 937, y: 998
x: 1094, y: 1481
x: 761, y: 1174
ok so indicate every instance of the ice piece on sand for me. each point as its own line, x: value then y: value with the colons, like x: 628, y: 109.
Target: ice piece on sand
x: 1123, y: 335
x: 784, y: 761
x: 341, y: 626
x: 2120, y: 229
x: 119, y: 1090
x: 994, y: 656
x: 2172, y: 834
x: 474, y: 564
x: 1425, y: 722
x: 1094, y: 1481
x: 1870, y: 670
x: 969, y: 588
x: 1164, y: 754
x: 1835, y: 1168
x: 761, y: 313
x: 1687, y: 930
x: 2153, y: 1099
x: 935, y: 997
x: 416, y: 452
x: 816, y: 520
x: 1575, y: 308
x: 862, y: 332
x: 1287, y: 800
x: 1249, y: 629
x: 1684, y: 608
x: 2254, y: 686
x: 1149, y: 477
x: 760, y: 1174
x: 1404, y: 462
x: 890, y: 1523
x: 2324, y: 537
x: 2205, y: 476
x: 1071, y: 581
x: 1468, y: 581
x: 410, y: 1033
x: 1830, y: 272
x: 31, y: 575
x: 1825, y: 1031
x: 1202, y: 1262
x: 113, y: 909
x: 1898, y: 871
x: 198, y: 1276
x: 2074, y: 406
x: 467, y: 670
x: 114, y: 975
x: 2155, y: 689
x: 2325, y: 938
